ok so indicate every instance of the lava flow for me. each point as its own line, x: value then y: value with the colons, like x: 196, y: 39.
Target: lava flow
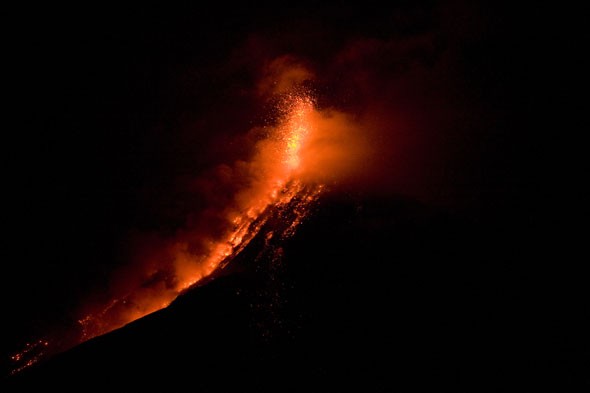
x: 277, y: 162
x: 276, y: 179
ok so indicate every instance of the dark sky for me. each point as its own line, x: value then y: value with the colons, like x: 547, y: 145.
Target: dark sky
x: 114, y: 112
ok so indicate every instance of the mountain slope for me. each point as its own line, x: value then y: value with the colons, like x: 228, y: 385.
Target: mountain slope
x: 368, y: 295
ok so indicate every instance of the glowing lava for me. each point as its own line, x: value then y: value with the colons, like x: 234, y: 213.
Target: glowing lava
x: 298, y: 129
x: 274, y: 172
x: 278, y: 159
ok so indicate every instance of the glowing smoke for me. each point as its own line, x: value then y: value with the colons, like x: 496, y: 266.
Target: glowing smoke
x: 300, y: 148
x: 193, y: 253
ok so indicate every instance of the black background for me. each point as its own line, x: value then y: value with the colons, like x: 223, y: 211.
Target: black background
x: 100, y: 125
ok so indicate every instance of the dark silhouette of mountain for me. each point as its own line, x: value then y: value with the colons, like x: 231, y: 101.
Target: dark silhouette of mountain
x: 370, y: 294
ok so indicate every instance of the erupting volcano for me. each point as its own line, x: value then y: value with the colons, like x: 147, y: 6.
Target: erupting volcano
x: 278, y: 157
x: 277, y: 177
x: 288, y: 197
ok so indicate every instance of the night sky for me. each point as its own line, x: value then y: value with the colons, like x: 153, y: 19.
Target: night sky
x: 117, y: 116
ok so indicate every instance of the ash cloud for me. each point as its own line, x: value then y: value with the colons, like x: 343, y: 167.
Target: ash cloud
x: 398, y: 94
x: 357, y: 143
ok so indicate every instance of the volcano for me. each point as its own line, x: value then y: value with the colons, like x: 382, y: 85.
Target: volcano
x: 294, y: 198
x: 369, y: 294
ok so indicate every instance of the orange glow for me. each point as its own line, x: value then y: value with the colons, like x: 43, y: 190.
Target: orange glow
x: 298, y: 128
x: 305, y: 149
x: 277, y: 162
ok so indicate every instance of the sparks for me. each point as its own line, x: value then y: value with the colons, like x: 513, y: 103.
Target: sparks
x: 298, y: 128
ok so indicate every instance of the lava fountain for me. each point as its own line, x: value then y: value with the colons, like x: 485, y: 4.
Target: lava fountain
x: 278, y: 169
x: 277, y: 161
